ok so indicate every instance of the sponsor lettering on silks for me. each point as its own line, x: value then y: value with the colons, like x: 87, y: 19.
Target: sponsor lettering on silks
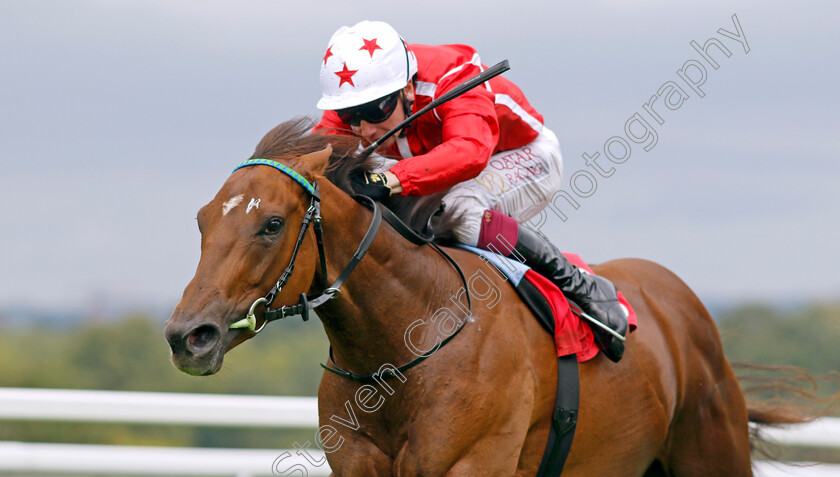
x: 518, y: 165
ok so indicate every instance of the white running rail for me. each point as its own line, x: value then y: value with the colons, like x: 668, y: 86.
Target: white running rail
x: 158, y: 408
x: 22, y: 404
x: 90, y: 460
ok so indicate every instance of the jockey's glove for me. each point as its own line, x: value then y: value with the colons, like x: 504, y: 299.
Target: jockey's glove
x: 371, y: 184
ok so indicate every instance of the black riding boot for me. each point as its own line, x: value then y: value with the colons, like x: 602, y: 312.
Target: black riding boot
x: 596, y: 295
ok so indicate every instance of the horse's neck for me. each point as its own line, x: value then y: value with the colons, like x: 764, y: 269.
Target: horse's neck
x: 395, y: 284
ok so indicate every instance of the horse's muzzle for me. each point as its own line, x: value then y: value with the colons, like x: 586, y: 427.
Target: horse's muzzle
x: 196, y: 349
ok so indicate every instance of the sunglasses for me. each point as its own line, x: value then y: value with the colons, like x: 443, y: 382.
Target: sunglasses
x: 373, y: 112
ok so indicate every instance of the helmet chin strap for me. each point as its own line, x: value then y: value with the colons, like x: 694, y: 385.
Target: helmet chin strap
x: 407, y: 111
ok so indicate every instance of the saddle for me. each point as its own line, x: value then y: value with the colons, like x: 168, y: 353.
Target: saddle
x: 555, y: 312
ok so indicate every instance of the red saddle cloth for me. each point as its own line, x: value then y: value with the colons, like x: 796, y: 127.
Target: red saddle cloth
x: 572, y: 334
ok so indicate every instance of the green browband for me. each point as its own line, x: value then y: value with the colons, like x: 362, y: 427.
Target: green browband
x: 282, y: 168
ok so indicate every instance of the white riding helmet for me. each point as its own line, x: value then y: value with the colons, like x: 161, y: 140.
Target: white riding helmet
x: 364, y: 62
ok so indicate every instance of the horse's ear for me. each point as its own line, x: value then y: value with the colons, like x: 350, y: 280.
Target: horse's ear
x: 317, y: 161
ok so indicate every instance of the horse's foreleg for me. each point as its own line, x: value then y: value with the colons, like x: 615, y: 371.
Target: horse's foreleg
x: 358, y: 457
x: 491, y: 457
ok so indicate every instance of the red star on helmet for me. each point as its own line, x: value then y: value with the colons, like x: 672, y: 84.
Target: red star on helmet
x: 346, y: 76
x: 328, y: 54
x: 370, y: 46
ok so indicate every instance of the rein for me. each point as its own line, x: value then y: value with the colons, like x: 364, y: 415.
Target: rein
x: 313, y: 216
x: 409, y: 234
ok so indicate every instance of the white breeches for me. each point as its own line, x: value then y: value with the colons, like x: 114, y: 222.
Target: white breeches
x: 518, y: 182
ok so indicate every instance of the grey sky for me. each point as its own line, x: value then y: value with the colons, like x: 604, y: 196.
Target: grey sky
x: 119, y: 119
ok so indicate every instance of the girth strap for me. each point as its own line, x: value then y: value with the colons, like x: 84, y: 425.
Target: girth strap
x: 566, y: 402
x: 564, y: 418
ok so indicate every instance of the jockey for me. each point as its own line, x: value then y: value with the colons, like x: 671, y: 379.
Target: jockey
x: 487, y: 148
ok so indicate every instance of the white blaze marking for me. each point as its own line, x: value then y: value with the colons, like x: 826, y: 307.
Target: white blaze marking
x: 233, y: 202
x: 254, y: 204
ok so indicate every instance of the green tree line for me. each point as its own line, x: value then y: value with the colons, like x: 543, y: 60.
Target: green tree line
x: 131, y: 354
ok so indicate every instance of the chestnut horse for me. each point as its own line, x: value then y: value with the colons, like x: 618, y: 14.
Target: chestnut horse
x: 482, y: 404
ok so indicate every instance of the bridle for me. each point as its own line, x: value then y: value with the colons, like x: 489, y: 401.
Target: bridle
x: 312, y: 216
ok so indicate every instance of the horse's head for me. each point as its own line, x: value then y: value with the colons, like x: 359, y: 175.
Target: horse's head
x: 248, y: 233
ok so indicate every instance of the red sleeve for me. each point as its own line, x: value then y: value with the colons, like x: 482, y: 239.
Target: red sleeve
x: 469, y: 133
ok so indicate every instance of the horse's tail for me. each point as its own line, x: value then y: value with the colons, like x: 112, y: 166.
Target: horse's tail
x: 779, y: 395
x: 777, y: 416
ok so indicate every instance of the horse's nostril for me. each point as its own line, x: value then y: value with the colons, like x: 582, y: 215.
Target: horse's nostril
x: 204, y: 336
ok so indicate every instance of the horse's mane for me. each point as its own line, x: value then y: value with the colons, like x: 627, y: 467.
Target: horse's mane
x: 294, y: 138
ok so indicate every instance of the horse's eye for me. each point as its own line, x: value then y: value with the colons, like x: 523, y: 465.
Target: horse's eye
x: 273, y: 226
